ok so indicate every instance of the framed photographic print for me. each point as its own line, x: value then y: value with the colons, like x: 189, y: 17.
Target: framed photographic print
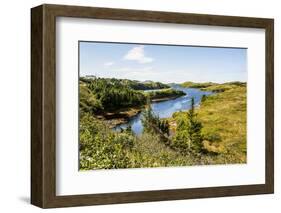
x: 135, y: 106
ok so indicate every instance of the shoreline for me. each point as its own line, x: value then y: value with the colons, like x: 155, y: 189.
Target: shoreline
x: 123, y: 116
x: 156, y: 100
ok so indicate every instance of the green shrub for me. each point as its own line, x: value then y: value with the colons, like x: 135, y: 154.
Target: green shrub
x: 100, y: 148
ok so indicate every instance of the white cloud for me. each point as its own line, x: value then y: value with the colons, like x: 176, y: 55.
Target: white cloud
x: 137, y: 54
x: 108, y: 64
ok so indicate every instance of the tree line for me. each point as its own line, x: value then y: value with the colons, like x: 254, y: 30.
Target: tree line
x: 101, y: 94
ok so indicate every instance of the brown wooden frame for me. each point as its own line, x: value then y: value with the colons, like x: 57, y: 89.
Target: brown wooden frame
x: 43, y: 105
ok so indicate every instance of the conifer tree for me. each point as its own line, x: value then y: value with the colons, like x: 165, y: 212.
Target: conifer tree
x: 194, y: 129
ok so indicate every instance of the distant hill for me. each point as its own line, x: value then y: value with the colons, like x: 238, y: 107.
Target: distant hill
x: 133, y: 84
x: 145, y: 85
x: 191, y: 84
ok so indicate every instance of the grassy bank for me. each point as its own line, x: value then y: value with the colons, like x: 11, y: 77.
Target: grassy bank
x: 223, y: 116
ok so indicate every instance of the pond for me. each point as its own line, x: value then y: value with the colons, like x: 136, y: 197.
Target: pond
x: 165, y: 109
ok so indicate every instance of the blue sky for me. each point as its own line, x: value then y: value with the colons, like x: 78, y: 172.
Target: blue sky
x: 164, y: 63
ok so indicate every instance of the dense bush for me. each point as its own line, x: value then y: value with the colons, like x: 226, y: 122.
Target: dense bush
x: 108, y: 94
x: 100, y: 148
x: 88, y: 101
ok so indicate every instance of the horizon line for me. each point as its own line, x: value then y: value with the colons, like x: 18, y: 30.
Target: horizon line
x: 89, y: 76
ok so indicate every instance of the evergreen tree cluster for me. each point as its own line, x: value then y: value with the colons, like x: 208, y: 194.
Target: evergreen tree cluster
x: 108, y: 94
x: 188, y: 137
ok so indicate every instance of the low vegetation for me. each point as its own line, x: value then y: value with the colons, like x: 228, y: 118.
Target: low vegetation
x: 223, y: 118
x: 102, y: 148
x: 213, y: 133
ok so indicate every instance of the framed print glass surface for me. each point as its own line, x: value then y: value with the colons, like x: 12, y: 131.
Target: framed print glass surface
x: 132, y: 106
